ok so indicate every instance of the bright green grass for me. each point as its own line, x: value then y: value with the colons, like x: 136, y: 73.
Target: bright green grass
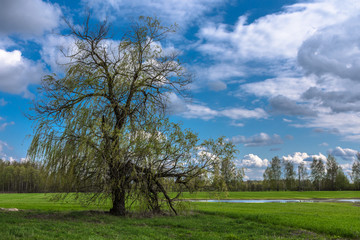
x: 69, y: 220
x: 274, y: 195
x: 41, y: 201
x: 336, y: 219
x: 91, y: 225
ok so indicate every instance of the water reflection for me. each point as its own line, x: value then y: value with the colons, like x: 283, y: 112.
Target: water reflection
x: 276, y: 200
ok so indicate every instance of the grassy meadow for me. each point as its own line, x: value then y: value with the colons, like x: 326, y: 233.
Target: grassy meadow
x: 40, y: 218
x: 274, y: 195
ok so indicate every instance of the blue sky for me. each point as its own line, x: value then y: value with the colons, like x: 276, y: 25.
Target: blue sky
x: 278, y: 78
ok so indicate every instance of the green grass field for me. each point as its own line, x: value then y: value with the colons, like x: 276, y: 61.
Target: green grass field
x: 274, y: 195
x: 42, y: 219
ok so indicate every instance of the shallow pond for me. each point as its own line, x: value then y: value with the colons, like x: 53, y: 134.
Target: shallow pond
x: 276, y: 200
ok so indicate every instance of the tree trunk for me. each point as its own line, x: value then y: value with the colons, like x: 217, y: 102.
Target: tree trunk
x: 118, y: 201
x: 299, y: 187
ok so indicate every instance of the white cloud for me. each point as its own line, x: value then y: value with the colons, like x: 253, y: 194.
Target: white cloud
x: 331, y: 55
x: 261, y: 139
x: 345, y: 153
x: 319, y: 156
x: 179, y: 106
x: 28, y: 17
x: 241, y: 113
x: 299, y: 157
x: 291, y: 88
x: 6, y: 42
x: 217, y: 76
x: 17, y: 73
x: 199, y: 111
x: 175, y: 104
x: 56, y: 49
x: 346, y: 124
x: 206, y: 113
x: 327, y: 102
x: 324, y: 144
x: 170, y: 11
x: 53, y: 51
x: 253, y: 161
x: 323, y: 35
x: 277, y: 35
x: 333, y: 50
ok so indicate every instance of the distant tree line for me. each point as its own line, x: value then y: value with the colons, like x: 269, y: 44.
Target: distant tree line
x: 329, y: 175
x: 280, y: 175
x: 31, y: 177
x: 23, y: 177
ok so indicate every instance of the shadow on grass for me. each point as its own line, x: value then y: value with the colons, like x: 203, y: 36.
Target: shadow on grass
x: 101, y: 225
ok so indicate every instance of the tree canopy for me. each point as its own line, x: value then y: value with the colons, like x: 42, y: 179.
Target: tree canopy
x: 102, y: 122
x: 355, y: 174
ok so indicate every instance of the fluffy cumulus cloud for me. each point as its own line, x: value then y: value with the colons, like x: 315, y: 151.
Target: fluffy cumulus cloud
x: 170, y: 11
x: 332, y: 54
x: 333, y: 50
x: 253, y: 161
x: 17, y: 72
x: 347, y: 154
x: 312, y: 50
x: 261, y: 139
x: 253, y: 166
x: 274, y: 36
x: 28, y: 17
x: 30, y: 20
x: 299, y: 157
